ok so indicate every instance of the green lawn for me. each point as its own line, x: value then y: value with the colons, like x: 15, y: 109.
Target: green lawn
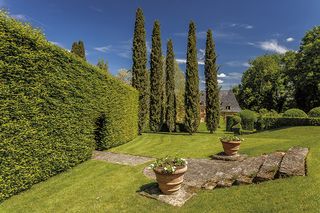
x: 102, y: 187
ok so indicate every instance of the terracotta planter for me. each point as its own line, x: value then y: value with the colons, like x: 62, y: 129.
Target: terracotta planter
x: 170, y: 183
x: 231, y: 147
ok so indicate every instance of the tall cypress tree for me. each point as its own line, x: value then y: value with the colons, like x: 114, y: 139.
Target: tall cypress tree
x: 212, y: 89
x: 170, y: 88
x: 192, y: 95
x: 156, y: 80
x: 103, y: 65
x: 75, y: 48
x: 82, y: 51
x: 78, y: 49
x: 139, y: 69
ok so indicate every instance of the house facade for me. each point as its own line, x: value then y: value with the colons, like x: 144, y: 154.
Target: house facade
x: 228, y: 104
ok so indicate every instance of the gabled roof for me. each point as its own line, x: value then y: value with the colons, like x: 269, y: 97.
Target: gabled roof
x: 227, y: 99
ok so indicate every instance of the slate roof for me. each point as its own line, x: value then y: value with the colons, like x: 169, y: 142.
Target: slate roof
x: 227, y: 99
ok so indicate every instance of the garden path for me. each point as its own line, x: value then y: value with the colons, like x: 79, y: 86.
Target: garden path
x: 124, y: 159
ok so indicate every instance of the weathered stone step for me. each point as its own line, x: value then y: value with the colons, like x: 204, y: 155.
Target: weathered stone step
x: 211, y: 174
x: 294, y: 162
x: 248, y: 169
x: 270, y: 167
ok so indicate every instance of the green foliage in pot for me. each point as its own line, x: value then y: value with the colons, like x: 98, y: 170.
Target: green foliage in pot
x: 229, y: 138
x: 168, y: 165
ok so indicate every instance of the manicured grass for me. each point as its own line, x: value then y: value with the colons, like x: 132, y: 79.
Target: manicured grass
x: 102, y: 187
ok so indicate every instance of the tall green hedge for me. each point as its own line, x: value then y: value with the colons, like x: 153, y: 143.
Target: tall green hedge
x: 50, y: 103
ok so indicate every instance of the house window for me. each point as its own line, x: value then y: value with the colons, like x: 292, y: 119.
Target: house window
x: 228, y: 107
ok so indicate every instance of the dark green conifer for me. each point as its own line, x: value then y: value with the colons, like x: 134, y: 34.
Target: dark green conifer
x: 103, y: 65
x: 192, y: 95
x: 212, y: 88
x: 78, y: 49
x: 156, y: 80
x: 82, y: 51
x: 170, y: 88
x: 139, y: 69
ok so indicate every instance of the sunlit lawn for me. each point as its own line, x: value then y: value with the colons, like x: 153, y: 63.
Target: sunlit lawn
x: 96, y: 186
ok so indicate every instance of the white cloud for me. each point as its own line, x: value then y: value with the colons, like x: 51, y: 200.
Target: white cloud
x: 184, y: 61
x: 201, y: 54
x: 220, y: 81
x: 181, y: 61
x: 290, y: 39
x: 270, y: 45
x: 60, y: 45
x: 200, y: 62
x: 237, y: 64
x: 56, y: 43
x: 103, y: 49
x: 234, y: 75
x: 237, y: 25
x: 20, y: 17
x: 273, y: 46
x: 222, y: 75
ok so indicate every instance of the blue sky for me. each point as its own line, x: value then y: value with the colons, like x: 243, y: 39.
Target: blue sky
x: 242, y: 29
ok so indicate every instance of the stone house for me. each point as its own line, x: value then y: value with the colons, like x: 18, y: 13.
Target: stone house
x: 228, y: 104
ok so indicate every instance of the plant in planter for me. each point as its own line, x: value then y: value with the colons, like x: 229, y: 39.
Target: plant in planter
x: 231, y: 144
x: 169, y: 173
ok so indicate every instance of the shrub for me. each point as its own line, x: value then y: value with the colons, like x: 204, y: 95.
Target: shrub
x: 315, y: 112
x: 248, y: 118
x: 231, y: 121
x: 50, y: 103
x: 236, y: 129
x: 265, y: 123
x: 294, y: 113
x: 266, y: 113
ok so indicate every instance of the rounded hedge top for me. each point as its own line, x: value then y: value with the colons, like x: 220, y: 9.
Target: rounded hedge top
x: 315, y: 112
x: 236, y: 119
x: 294, y: 113
x: 248, y: 115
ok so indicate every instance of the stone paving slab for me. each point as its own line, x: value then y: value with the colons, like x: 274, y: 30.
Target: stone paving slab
x: 270, y: 167
x: 118, y: 158
x: 294, y: 162
x: 211, y: 174
x: 177, y: 199
x: 248, y: 169
x: 223, y: 156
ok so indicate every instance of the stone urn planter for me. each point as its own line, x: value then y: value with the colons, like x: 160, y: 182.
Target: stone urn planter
x: 231, y: 144
x: 169, y: 173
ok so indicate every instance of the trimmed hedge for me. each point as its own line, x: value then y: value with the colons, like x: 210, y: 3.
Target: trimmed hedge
x: 236, y: 129
x: 248, y: 118
x: 294, y: 113
x: 50, y: 103
x: 232, y: 121
x: 315, y: 112
x: 265, y: 123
